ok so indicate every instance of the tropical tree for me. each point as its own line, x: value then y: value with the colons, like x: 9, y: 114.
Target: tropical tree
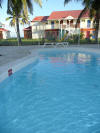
x: 16, y: 8
x: 95, y: 13
x: 93, y: 6
x: 22, y: 20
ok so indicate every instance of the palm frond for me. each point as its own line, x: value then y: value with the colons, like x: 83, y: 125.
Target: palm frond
x: 81, y: 14
x: 8, y: 18
x: 29, y: 6
x: 25, y: 7
x: 67, y: 1
x: 38, y: 2
x: 1, y: 3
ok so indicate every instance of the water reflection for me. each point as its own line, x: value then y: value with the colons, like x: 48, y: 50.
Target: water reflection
x: 74, y: 61
x: 77, y: 58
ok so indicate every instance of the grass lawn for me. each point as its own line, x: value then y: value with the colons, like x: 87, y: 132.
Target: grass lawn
x: 26, y: 42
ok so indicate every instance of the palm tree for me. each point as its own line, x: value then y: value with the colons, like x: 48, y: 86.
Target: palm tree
x: 93, y: 6
x: 95, y: 12
x: 17, y: 7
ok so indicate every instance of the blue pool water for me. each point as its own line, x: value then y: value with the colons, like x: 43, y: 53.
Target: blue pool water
x: 59, y: 93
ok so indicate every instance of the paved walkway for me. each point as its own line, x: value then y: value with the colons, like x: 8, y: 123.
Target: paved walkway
x: 10, y: 53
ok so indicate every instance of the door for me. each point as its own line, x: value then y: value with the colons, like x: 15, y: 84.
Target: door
x: 1, y: 35
x: 88, y: 34
x: 52, y: 25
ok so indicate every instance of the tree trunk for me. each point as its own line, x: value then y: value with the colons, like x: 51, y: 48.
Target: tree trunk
x: 97, y: 27
x: 18, y: 31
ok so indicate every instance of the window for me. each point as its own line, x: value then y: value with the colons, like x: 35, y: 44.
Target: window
x: 88, y: 23
x: 61, y: 22
x: 52, y: 22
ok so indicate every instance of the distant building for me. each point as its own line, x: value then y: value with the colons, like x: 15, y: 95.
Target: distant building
x: 60, y: 23
x: 39, y: 26
x: 4, y: 33
x: 28, y: 32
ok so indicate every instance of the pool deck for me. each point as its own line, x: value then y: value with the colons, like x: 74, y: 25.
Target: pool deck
x: 17, y: 57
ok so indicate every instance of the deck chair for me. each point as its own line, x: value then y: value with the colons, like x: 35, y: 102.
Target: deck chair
x: 62, y: 43
x: 47, y: 43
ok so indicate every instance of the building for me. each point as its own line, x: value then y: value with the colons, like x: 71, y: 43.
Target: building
x: 39, y: 25
x: 60, y: 23
x: 4, y: 33
x: 28, y: 32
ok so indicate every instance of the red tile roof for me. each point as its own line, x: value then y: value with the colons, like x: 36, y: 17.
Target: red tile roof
x: 2, y: 29
x: 40, y: 18
x: 28, y: 28
x: 63, y: 14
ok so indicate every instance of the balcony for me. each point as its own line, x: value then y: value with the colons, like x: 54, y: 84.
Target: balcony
x: 55, y: 26
x: 72, y: 26
x: 49, y: 26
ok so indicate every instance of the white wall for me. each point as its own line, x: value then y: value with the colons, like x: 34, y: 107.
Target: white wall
x: 83, y: 23
x: 38, y: 29
x: 6, y: 34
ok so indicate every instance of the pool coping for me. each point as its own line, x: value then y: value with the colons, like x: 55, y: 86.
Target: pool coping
x: 21, y: 63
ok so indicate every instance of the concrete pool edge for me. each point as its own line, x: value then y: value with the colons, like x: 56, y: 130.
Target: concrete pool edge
x: 17, y: 65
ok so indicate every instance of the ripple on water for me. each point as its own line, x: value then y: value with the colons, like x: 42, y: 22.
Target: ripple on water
x: 59, y: 94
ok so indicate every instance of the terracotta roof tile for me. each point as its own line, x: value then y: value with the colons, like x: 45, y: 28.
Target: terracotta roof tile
x: 2, y: 29
x: 28, y: 28
x: 63, y: 14
x: 40, y: 18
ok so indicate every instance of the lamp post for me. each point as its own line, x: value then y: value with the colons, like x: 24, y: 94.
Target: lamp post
x: 69, y: 26
x: 79, y: 37
x: 61, y: 31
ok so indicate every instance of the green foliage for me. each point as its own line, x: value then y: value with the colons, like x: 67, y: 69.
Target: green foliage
x: 81, y: 35
x: 65, y: 37
x: 27, y: 42
x: 18, y: 11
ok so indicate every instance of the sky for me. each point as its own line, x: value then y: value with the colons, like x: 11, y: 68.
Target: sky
x: 48, y: 6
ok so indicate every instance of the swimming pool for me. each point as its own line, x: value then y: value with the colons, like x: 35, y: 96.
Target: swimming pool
x: 59, y: 93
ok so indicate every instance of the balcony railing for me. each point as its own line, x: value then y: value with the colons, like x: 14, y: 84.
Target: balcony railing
x: 49, y: 26
x: 69, y: 26
x: 55, y: 26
